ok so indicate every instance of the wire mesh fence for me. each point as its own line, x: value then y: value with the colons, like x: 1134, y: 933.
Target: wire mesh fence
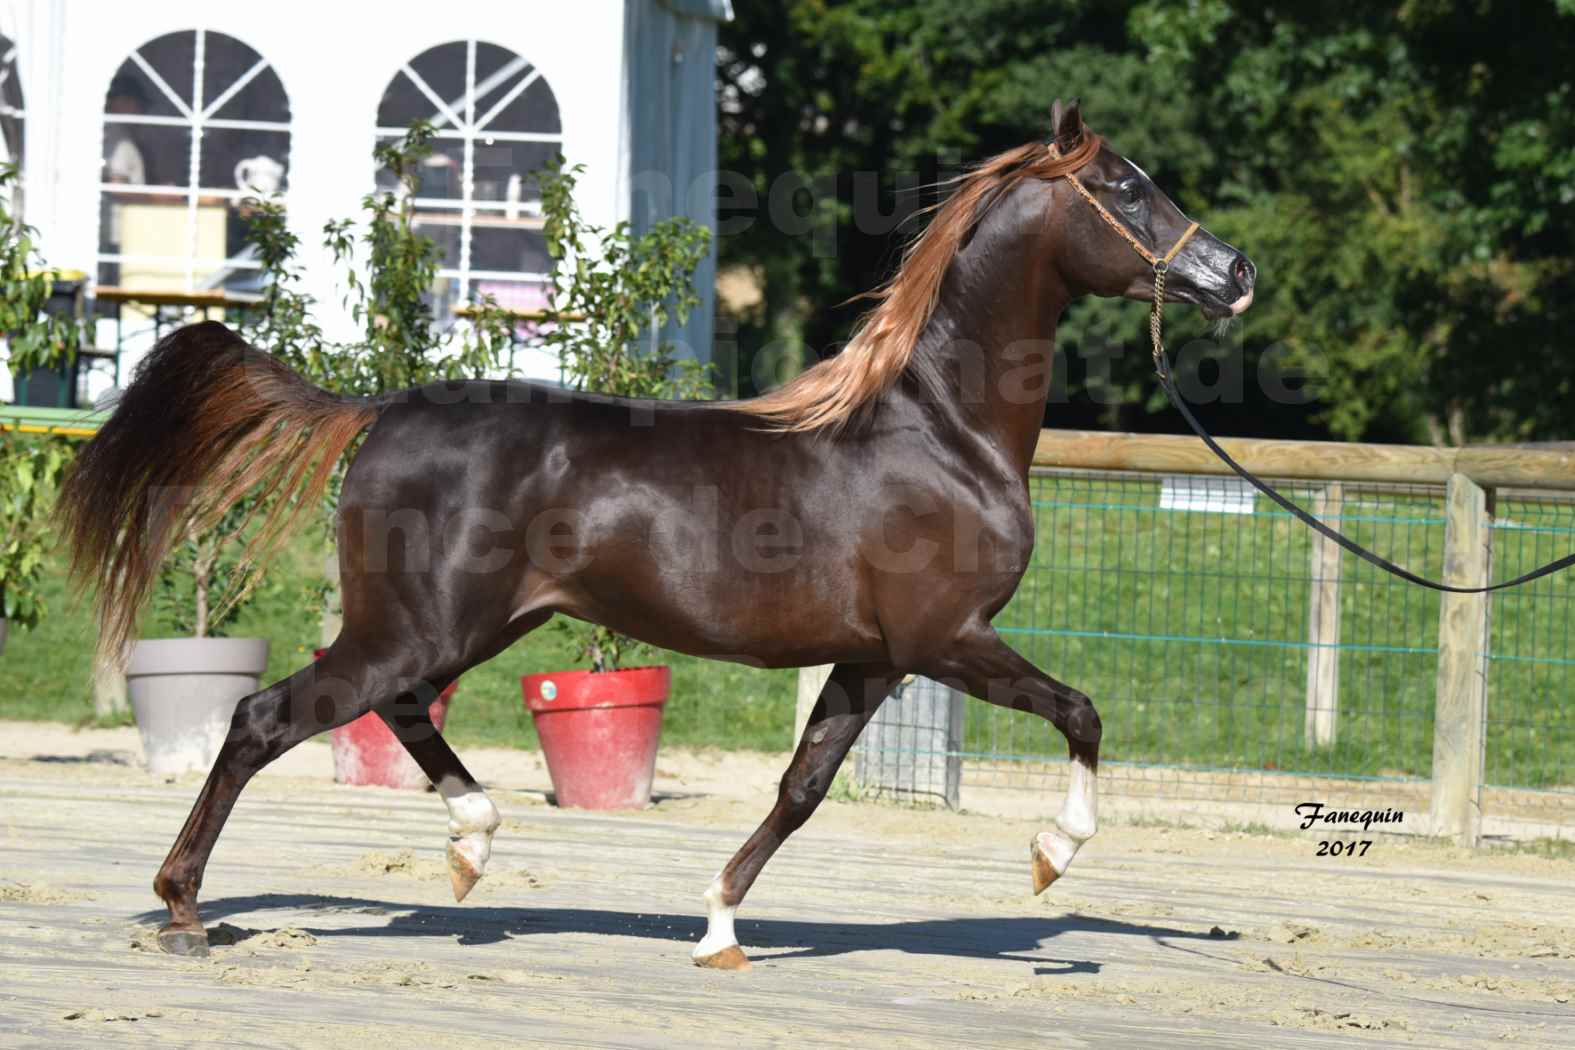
x: 1189, y: 610
x: 1530, y: 727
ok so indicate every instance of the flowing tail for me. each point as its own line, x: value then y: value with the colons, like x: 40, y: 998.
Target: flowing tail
x: 206, y: 419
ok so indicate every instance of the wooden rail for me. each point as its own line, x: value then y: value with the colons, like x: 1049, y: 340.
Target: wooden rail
x: 1487, y: 466
x: 73, y: 422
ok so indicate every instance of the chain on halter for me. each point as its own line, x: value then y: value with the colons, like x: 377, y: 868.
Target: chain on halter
x: 1160, y: 263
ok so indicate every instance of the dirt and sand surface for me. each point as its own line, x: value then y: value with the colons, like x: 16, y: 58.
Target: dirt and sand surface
x: 876, y: 926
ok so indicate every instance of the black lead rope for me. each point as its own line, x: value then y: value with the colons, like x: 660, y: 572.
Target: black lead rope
x: 1166, y: 381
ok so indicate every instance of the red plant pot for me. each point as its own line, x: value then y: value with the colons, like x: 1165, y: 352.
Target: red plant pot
x: 366, y: 751
x: 599, y: 732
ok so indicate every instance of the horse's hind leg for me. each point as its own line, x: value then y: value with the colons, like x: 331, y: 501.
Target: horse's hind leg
x: 991, y: 670
x: 847, y: 702
x: 472, y: 818
x: 329, y: 693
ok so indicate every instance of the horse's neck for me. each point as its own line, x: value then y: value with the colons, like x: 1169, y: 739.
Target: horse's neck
x: 999, y: 370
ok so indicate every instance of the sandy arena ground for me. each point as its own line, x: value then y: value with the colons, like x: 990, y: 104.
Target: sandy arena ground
x: 876, y: 926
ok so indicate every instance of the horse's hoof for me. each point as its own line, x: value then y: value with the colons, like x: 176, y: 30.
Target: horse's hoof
x: 1044, y: 871
x: 462, y: 874
x: 192, y: 944
x: 730, y: 958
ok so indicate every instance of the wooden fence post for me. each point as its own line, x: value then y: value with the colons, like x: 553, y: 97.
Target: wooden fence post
x: 1461, y: 704
x: 1323, y: 625
x: 109, y: 690
x: 811, y: 680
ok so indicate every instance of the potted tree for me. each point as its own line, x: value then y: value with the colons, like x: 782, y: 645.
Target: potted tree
x: 183, y: 689
x: 611, y: 294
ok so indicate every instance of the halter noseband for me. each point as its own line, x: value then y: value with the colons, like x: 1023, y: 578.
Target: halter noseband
x: 1160, y: 263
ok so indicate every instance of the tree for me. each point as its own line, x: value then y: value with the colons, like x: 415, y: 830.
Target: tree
x: 1402, y: 175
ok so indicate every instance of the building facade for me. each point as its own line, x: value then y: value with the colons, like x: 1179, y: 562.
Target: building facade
x: 140, y: 130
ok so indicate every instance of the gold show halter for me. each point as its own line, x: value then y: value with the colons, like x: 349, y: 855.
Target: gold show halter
x: 1160, y: 263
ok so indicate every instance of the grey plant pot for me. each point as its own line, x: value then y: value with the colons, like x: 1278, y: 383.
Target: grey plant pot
x: 183, y: 692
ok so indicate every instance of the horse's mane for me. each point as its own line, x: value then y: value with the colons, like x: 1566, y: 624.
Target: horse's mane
x: 828, y: 395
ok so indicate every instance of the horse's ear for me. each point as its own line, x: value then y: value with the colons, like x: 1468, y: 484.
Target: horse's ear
x: 1066, y: 123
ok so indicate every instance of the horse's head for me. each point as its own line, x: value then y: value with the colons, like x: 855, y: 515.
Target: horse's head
x: 1098, y: 258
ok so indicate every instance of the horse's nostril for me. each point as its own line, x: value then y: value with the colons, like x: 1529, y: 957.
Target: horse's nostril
x: 1244, y: 273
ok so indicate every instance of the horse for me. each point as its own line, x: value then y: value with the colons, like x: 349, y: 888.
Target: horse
x: 872, y: 513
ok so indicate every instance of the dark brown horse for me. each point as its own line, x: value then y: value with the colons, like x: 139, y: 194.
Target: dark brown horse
x: 871, y: 514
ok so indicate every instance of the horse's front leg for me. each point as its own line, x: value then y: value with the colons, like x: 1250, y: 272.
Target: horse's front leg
x: 847, y: 702
x: 989, y: 669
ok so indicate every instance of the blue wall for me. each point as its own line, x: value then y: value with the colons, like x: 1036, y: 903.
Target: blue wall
x: 671, y: 86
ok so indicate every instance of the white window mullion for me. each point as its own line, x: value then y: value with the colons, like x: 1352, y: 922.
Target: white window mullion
x: 501, y: 136
x: 433, y: 97
x: 182, y: 122
x: 467, y: 179
x: 159, y: 82
x: 517, y: 276
x: 194, y: 166
x: 112, y: 189
x: 234, y: 89
x: 234, y: 262
x: 513, y: 93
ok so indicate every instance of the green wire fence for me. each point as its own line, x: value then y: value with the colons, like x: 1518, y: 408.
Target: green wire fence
x: 1233, y: 652
x: 1189, y: 629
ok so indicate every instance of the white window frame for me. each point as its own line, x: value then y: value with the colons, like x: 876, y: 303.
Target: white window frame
x: 197, y: 120
x: 458, y: 120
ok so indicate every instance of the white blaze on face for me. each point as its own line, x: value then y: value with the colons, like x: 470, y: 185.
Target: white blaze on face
x: 472, y: 818
x: 1077, y: 821
x: 718, y: 923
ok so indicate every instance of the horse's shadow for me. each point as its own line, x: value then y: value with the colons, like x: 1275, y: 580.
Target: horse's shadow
x: 1015, y: 938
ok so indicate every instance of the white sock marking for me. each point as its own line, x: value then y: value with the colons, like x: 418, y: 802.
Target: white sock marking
x: 472, y: 818
x: 718, y: 923
x: 1077, y: 821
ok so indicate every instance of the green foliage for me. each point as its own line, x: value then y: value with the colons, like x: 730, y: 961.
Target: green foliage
x: 30, y: 465
x: 35, y: 340
x: 401, y: 346
x: 611, y: 294
x: 1403, y: 175
x: 204, y: 584
x: 30, y: 470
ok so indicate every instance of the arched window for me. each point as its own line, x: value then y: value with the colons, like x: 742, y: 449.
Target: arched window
x: 496, y: 124
x: 11, y: 117
x: 194, y: 122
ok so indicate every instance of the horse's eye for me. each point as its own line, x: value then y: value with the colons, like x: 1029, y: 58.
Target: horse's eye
x: 1131, y: 192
